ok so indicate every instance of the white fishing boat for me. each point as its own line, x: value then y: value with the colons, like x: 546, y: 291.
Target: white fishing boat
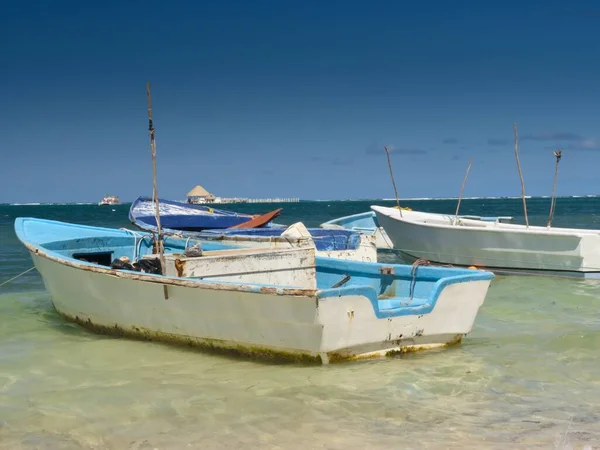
x: 285, y: 303
x: 367, y: 224
x: 109, y: 200
x: 497, y: 246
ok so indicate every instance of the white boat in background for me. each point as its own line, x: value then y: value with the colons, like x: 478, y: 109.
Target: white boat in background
x: 109, y: 200
x: 497, y: 246
x: 283, y: 303
x: 367, y: 223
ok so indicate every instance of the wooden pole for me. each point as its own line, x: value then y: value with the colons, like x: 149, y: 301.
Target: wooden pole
x: 558, y: 155
x: 462, y: 190
x: 393, y: 182
x: 159, y: 242
x: 520, y: 174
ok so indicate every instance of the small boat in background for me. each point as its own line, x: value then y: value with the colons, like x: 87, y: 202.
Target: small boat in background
x: 109, y: 200
x: 497, y: 246
x: 363, y: 223
x: 367, y: 223
x: 272, y: 303
x: 179, y: 216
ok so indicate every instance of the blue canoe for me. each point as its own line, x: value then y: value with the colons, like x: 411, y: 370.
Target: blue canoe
x: 179, y: 216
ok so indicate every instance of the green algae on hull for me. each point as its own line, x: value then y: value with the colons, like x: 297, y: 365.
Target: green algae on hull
x: 216, y: 346
x: 265, y: 354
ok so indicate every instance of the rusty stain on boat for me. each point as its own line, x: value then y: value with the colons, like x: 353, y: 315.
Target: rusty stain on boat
x: 268, y: 290
x: 179, y: 265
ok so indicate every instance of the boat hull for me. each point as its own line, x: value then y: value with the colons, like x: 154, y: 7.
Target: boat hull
x: 290, y: 324
x: 503, y: 248
x: 177, y: 216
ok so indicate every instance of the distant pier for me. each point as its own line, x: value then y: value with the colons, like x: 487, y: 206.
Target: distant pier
x: 256, y: 200
x: 199, y: 195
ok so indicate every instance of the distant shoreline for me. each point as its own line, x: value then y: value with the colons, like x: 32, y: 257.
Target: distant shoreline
x: 329, y: 200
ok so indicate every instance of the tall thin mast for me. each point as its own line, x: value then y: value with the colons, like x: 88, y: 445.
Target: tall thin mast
x: 521, y: 175
x: 462, y: 189
x: 159, y: 240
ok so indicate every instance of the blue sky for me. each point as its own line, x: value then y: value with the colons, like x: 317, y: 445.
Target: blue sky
x: 297, y: 98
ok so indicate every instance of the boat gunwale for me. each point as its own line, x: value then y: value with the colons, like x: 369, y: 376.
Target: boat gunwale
x: 494, y: 226
x: 170, y: 281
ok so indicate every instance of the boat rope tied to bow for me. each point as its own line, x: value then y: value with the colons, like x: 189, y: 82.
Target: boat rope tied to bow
x: 18, y: 276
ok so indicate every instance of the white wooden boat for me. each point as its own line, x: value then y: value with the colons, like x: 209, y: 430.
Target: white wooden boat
x: 342, y: 244
x: 286, y: 303
x: 501, y: 247
x: 367, y: 223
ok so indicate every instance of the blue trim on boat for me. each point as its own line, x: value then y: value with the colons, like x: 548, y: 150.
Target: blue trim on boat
x: 362, y: 223
x: 390, y: 295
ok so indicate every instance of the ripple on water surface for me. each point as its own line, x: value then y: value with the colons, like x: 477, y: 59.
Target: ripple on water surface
x: 527, y: 377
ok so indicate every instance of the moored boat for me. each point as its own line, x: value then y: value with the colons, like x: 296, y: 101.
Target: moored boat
x: 286, y: 303
x: 367, y: 223
x: 501, y: 247
x: 179, y: 216
x: 364, y: 223
x: 109, y: 200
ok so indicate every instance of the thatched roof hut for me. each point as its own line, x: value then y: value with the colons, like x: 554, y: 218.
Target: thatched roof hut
x: 200, y: 193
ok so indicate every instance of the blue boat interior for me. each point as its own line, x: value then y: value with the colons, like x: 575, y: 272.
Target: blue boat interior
x: 392, y: 289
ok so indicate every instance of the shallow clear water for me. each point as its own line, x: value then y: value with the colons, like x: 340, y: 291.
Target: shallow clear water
x: 527, y: 377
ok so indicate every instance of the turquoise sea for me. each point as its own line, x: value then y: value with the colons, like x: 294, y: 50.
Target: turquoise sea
x: 528, y: 376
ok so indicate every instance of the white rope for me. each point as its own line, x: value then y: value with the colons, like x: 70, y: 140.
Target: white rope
x: 20, y: 275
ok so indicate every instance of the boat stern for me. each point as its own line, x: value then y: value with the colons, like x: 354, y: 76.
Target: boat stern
x: 397, y: 311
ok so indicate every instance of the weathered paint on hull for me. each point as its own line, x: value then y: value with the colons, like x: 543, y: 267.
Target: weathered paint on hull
x: 302, y: 327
